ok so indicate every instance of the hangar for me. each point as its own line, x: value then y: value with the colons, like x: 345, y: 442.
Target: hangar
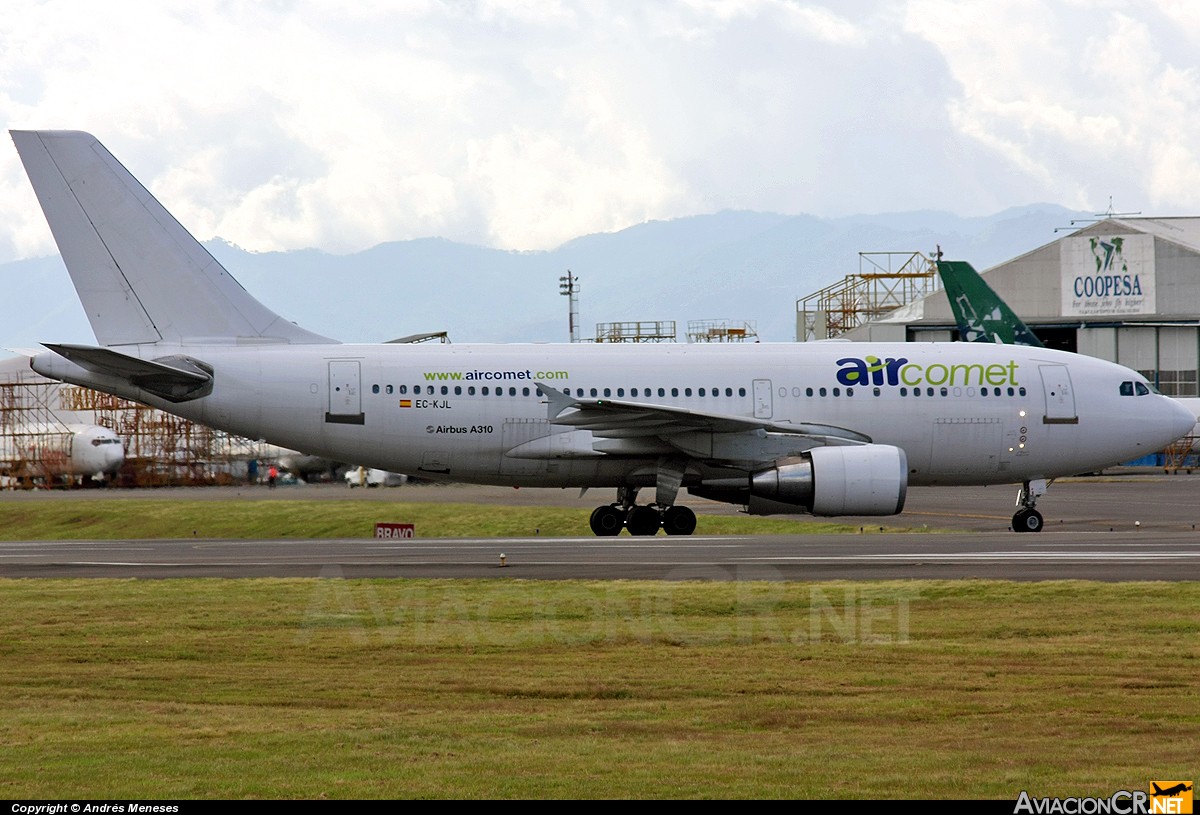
x: 1125, y: 289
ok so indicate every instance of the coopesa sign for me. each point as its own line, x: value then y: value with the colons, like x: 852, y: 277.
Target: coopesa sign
x: 870, y: 370
x: 1108, y: 275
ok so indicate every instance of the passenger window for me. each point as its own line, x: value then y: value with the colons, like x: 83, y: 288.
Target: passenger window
x: 417, y: 388
x: 837, y: 391
x: 741, y: 391
x: 729, y: 391
x: 945, y: 391
x: 608, y: 391
x: 471, y: 391
x: 849, y: 391
x: 808, y: 391
x: 620, y: 391
x: 1021, y: 390
x: 904, y: 391
x: 674, y: 391
x: 687, y: 391
x: 822, y: 391
x: 374, y: 389
x: 445, y: 390
x: 458, y: 390
x: 512, y: 391
x: 524, y: 391
x: 876, y: 391
x: 662, y: 392
x: 700, y: 392
x: 389, y: 389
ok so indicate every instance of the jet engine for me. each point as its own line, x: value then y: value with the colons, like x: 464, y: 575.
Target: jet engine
x: 869, y: 479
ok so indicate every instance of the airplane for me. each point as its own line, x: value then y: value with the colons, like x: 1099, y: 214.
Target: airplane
x: 982, y: 316
x: 827, y: 428
x: 979, y: 312
x: 49, y: 452
x: 1173, y: 790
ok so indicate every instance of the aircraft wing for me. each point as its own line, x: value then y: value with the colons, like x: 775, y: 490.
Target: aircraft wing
x: 616, y: 418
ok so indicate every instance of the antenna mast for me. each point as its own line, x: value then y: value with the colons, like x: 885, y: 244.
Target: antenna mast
x: 568, y: 285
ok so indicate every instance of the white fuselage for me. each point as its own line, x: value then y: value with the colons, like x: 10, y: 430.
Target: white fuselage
x: 50, y: 451
x: 962, y: 413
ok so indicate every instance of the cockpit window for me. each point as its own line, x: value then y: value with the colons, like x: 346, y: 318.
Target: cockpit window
x: 1142, y: 390
x: 1127, y: 388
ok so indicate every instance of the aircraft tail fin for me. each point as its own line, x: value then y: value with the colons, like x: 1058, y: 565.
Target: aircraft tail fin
x: 141, y: 276
x: 980, y: 313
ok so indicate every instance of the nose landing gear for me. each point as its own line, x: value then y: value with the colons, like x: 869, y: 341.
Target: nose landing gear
x: 1028, y: 519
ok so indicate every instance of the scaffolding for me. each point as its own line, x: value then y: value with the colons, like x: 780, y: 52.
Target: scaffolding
x: 722, y: 331
x: 31, y: 434
x: 885, y: 281
x: 636, y: 331
x: 1182, y: 455
x: 161, y: 449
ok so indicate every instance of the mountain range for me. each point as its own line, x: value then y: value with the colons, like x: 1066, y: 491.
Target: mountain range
x: 734, y: 265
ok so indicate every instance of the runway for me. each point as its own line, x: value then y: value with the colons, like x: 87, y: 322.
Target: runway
x: 1113, y: 529
x: 1049, y: 556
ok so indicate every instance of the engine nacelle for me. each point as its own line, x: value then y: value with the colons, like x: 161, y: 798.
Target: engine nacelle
x: 868, y: 479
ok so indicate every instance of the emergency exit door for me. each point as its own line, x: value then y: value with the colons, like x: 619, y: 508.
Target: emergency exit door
x: 763, y: 405
x: 345, y: 394
x: 1060, y: 396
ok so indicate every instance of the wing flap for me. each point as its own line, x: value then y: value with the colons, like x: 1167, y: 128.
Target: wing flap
x: 618, y: 418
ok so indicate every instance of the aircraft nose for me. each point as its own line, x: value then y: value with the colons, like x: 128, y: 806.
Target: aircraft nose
x: 1182, y: 421
x: 114, y: 457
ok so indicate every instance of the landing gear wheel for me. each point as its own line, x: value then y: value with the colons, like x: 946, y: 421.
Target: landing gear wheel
x: 1027, y: 520
x: 607, y: 521
x: 643, y: 520
x: 678, y: 521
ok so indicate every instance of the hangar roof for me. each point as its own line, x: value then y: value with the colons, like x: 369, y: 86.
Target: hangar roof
x: 1184, y: 231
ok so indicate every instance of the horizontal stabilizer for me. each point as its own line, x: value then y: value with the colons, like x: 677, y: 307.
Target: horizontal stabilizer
x: 176, y: 378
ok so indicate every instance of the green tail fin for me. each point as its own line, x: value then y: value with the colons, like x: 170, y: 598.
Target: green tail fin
x: 980, y: 313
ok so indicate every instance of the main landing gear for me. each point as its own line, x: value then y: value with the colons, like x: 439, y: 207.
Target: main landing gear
x: 646, y: 519
x: 1028, y: 519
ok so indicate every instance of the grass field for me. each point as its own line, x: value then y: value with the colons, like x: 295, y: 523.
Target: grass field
x: 151, y: 518
x: 305, y: 689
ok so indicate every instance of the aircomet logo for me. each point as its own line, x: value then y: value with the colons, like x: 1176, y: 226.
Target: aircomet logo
x: 485, y: 376
x: 874, y: 371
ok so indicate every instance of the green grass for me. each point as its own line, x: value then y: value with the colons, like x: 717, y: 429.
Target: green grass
x: 153, y: 518
x: 123, y: 689
x: 214, y: 689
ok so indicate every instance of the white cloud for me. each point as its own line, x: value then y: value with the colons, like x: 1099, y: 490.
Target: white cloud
x: 524, y: 123
x: 1085, y: 101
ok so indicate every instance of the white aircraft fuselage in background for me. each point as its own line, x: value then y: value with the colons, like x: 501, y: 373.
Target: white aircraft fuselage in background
x: 56, y: 451
x: 829, y: 428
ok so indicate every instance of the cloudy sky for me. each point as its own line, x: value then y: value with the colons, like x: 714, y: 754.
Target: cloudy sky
x: 520, y: 124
